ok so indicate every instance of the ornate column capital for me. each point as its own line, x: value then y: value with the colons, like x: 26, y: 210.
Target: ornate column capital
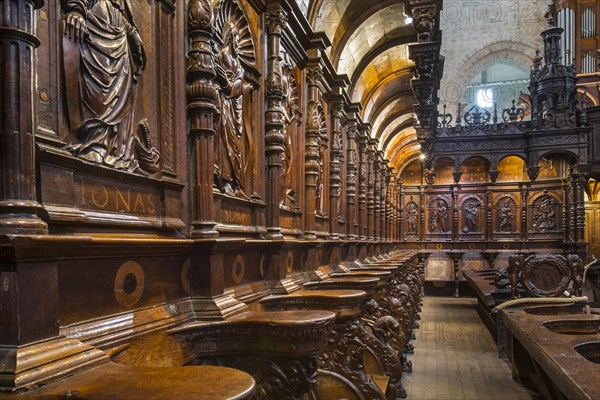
x: 275, y: 22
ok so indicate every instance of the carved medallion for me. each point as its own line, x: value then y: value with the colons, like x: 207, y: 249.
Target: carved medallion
x: 238, y: 269
x: 546, y: 276
x: 129, y: 284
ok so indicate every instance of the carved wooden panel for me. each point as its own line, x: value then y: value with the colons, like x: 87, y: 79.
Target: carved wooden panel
x: 545, y: 214
x: 550, y: 168
x: 511, y: 169
x: 474, y: 171
x: 99, y: 128
x: 471, y: 215
x: 412, y: 174
x: 439, y: 215
x: 592, y: 223
x: 411, y: 217
x: 506, y: 214
x: 443, y: 170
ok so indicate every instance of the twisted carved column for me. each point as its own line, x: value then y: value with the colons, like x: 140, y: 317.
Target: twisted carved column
x: 371, y: 190
x: 19, y: 208
x: 274, y: 121
x: 580, y: 207
x: 385, y: 193
x: 377, y: 196
x: 362, y: 185
x: 351, y: 132
x: 201, y: 98
x: 400, y: 201
x: 335, y: 170
x: 312, y: 161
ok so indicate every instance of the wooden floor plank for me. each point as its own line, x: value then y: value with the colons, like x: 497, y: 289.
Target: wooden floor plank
x: 456, y: 358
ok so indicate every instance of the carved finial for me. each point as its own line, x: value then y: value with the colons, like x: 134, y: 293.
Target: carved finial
x: 550, y: 16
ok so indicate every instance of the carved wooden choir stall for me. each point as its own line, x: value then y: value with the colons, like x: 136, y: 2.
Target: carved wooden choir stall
x: 194, y: 205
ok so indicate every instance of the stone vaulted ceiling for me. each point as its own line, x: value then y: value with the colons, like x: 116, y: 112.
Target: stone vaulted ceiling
x: 369, y: 44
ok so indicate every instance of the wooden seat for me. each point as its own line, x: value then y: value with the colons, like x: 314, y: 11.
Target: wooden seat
x: 115, y: 381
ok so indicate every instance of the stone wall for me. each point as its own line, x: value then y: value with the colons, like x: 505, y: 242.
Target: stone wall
x: 478, y: 33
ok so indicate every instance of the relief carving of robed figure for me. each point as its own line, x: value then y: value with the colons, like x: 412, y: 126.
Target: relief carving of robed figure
x: 228, y: 138
x: 111, y: 58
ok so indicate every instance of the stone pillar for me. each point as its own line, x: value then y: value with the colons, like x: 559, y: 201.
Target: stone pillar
x: 19, y: 209
x: 362, y: 185
x: 274, y: 119
x: 351, y: 132
x: 201, y: 97
x: 312, y: 160
x: 335, y: 167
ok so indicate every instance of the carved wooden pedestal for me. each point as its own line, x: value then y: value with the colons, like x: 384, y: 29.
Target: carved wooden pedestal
x: 279, y: 349
x: 384, y: 330
x: 347, y: 343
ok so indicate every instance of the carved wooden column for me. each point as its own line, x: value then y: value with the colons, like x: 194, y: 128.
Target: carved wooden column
x: 376, y: 193
x: 389, y: 203
x: 351, y: 132
x: 335, y: 167
x: 362, y: 185
x: 456, y: 256
x: 274, y: 119
x: 524, y: 199
x: 580, y: 206
x: 371, y: 189
x: 19, y: 208
x: 385, y: 192
x: 312, y: 160
x: 489, y: 229
x: 400, y: 209
x: 201, y: 98
x: 455, y: 224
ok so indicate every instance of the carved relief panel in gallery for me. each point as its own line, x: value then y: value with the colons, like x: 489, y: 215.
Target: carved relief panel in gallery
x: 506, y: 215
x: 236, y: 128
x: 545, y: 214
x: 411, y: 217
x: 439, y: 216
x: 105, y: 141
x: 472, y: 215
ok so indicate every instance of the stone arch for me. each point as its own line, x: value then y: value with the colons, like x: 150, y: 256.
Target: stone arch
x: 472, y: 64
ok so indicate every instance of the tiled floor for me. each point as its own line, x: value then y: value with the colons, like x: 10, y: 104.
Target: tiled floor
x: 456, y: 358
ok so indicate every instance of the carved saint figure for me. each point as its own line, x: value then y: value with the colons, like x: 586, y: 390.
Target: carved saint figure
x: 506, y: 216
x: 228, y: 137
x: 545, y: 217
x: 471, y: 216
x: 291, y: 115
x: 112, y: 56
x: 412, y: 217
x: 438, y: 221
